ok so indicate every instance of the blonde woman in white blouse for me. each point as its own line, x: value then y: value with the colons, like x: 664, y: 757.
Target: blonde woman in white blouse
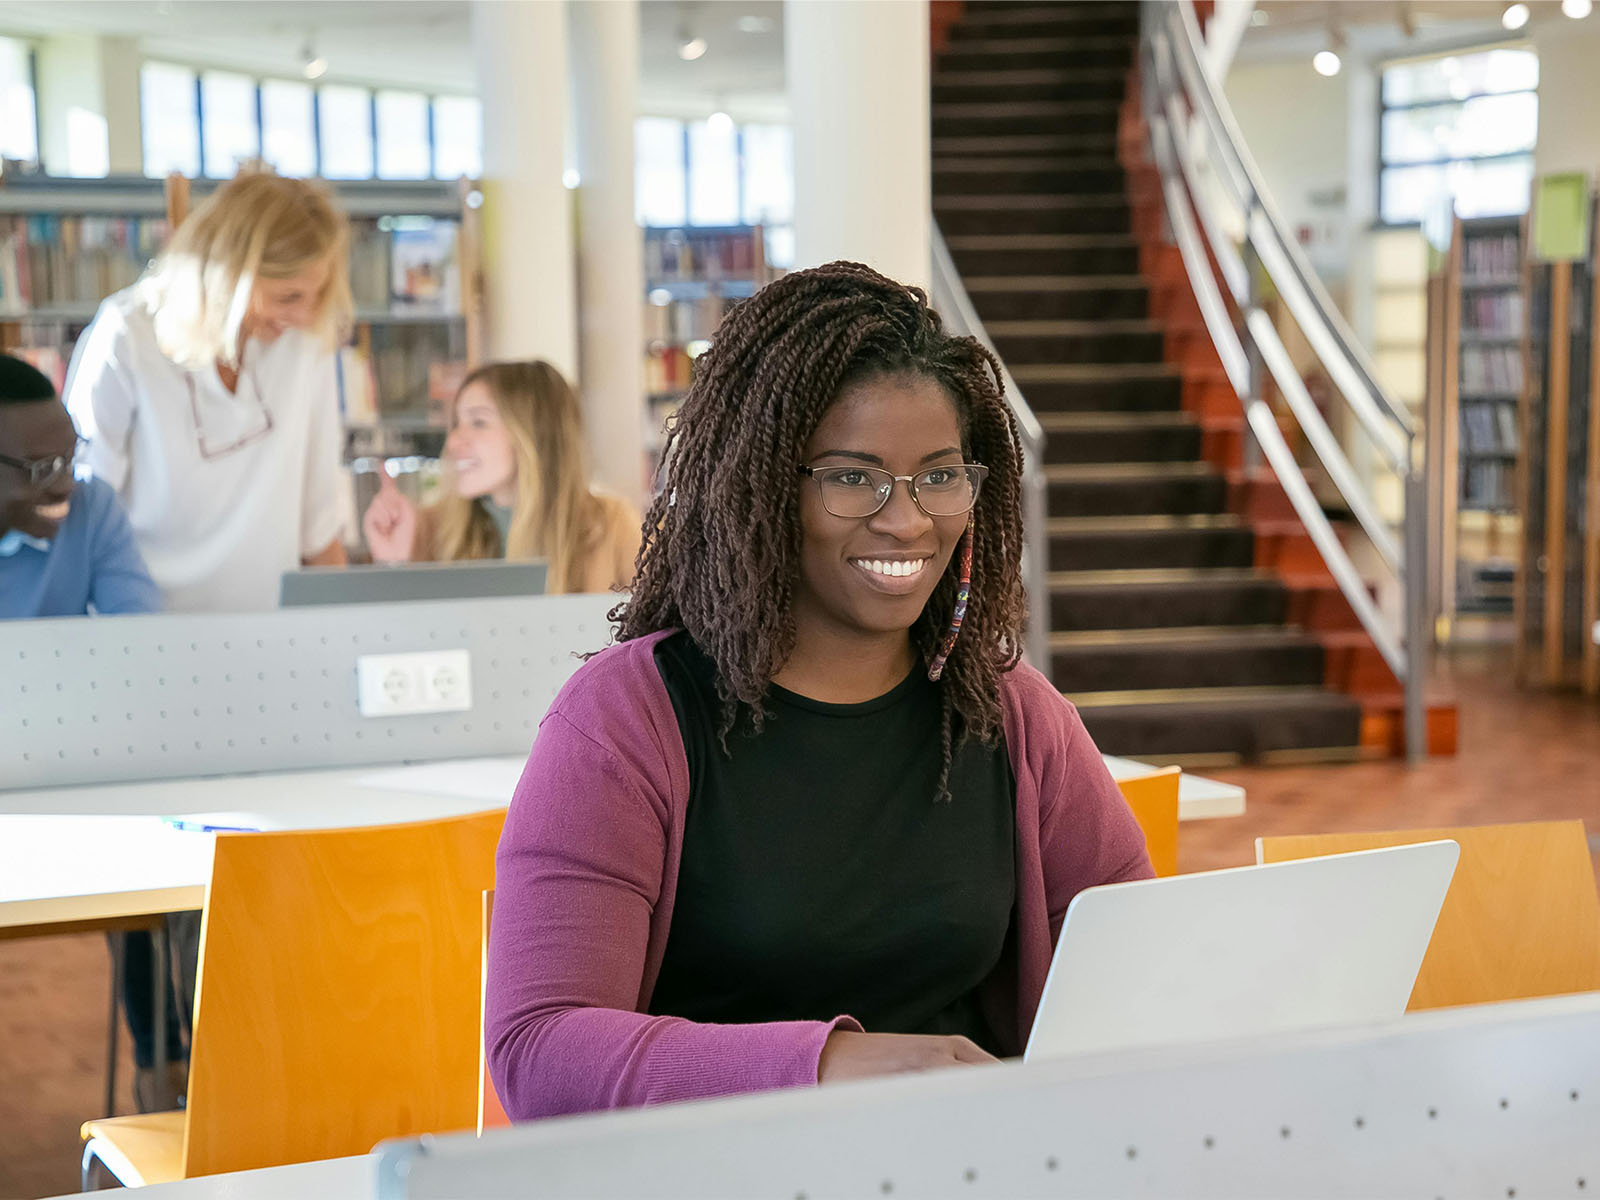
x: 208, y: 393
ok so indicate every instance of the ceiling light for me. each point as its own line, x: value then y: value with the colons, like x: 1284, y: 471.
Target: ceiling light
x: 313, y: 66
x: 1260, y: 17
x: 570, y: 178
x: 719, y: 122
x: 1327, y: 63
x: 1577, y: 9
x: 755, y: 24
x: 1515, y: 16
x: 691, y: 49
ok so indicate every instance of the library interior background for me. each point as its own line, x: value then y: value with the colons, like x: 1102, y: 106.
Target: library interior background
x: 1316, y: 458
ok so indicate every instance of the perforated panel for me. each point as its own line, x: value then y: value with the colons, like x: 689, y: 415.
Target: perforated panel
x: 170, y: 696
x: 1499, y: 1102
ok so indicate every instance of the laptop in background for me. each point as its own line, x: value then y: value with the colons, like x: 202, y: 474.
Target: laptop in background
x: 1305, y: 944
x: 411, y: 581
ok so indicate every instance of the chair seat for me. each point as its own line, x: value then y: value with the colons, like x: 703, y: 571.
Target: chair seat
x: 139, y: 1150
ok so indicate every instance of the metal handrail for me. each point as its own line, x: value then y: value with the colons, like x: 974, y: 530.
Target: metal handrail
x: 1177, y: 84
x: 960, y: 317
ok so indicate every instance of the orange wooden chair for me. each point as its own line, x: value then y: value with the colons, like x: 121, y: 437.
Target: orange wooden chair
x: 338, y: 990
x: 1154, y: 801
x: 1521, y: 919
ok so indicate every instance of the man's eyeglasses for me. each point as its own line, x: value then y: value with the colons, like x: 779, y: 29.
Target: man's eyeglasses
x: 42, y: 472
x: 946, y: 491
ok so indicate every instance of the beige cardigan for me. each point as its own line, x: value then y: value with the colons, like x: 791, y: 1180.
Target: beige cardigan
x: 614, y: 543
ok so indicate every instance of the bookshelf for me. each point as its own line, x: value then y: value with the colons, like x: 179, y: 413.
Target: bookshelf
x: 1558, y: 583
x: 1477, y: 419
x: 693, y: 276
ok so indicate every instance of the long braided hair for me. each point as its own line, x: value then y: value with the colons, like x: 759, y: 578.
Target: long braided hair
x: 721, y: 549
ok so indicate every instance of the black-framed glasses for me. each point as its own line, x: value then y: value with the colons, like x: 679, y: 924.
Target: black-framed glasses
x: 223, y: 426
x: 946, y: 491
x: 42, y: 472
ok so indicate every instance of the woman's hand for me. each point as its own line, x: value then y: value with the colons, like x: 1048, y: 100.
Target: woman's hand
x: 847, y: 1055
x: 390, y: 524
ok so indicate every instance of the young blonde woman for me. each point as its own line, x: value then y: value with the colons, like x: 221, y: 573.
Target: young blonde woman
x: 516, y: 486
x: 207, y: 391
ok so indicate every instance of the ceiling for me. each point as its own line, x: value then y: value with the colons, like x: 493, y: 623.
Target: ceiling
x: 424, y: 43
x: 1383, y: 28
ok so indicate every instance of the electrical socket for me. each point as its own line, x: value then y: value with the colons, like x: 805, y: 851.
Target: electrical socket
x: 398, y: 685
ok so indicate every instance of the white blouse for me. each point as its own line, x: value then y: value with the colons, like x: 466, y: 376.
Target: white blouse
x: 224, y: 491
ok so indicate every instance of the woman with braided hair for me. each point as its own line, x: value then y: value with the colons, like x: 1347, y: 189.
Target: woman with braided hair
x: 810, y: 819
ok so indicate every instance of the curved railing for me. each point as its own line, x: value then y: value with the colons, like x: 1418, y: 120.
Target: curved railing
x: 950, y: 298
x: 1189, y: 121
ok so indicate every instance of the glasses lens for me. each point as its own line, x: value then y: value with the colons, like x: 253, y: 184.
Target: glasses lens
x: 46, y: 471
x: 853, y: 491
x: 948, y: 491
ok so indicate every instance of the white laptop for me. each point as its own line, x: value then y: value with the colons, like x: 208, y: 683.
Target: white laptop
x: 1303, y: 944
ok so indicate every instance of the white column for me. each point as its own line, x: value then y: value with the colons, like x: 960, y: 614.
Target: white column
x: 88, y: 103
x: 605, y: 76
x: 858, y: 91
x: 520, y: 54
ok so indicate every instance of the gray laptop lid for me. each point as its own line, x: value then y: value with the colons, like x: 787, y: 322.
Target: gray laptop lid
x: 411, y: 581
x: 1302, y: 944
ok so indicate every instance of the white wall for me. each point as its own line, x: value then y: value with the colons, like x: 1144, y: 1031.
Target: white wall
x: 1569, y: 96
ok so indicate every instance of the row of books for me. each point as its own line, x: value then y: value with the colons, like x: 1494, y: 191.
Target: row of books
x: 683, y: 321
x: 1491, y: 255
x: 398, y: 372
x: 406, y: 263
x: 1491, y: 370
x: 1489, y: 428
x: 678, y: 254
x: 667, y: 369
x: 1486, y: 483
x: 49, y: 261
x: 1491, y: 314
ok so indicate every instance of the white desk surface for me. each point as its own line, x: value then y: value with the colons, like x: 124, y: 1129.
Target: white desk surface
x: 354, y: 1178
x: 86, y: 853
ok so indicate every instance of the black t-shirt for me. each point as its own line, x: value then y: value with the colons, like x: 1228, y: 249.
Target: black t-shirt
x: 820, y: 875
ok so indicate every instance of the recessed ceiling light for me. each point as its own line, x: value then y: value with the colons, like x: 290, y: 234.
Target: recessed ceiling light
x: 1577, y: 9
x: 719, y: 122
x: 1326, y: 62
x: 755, y: 24
x: 691, y: 49
x: 1260, y: 17
x: 1515, y: 16
x: 316, y: 68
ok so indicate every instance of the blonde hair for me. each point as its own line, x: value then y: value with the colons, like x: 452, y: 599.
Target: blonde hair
x: 555, y: 516
x: 258, y: 225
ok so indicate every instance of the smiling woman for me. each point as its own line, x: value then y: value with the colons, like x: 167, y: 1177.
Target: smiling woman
x: 811, y: 820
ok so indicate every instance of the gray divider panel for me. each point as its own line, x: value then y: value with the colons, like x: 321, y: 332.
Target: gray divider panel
x: 115, y: 699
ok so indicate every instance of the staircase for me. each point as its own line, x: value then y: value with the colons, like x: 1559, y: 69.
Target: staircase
x: 1192, y: 620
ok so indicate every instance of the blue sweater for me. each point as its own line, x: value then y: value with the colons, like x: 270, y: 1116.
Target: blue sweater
x: 91, y: 565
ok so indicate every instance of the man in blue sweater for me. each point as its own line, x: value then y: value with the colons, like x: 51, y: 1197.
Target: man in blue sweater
x: 65, y: 546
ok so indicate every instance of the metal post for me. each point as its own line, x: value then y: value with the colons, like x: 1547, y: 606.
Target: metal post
x: 1414, y: 576
x: 118, y: 941
x: 1257, y: 373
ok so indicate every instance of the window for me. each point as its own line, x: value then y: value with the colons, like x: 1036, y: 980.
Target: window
x: 169, y: 116
x: 19, y: 123
x: 457, y: 137
x: 1457, y: 136
x: 713, y: 173
x: 229, y: 132
x: 288, y: 127
x: 660, y: 174
x: 767, y: 164
x: 344, y: 128
x: 403, y: 135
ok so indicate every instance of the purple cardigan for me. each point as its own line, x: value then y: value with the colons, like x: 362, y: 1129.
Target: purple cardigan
x: 588, y: 867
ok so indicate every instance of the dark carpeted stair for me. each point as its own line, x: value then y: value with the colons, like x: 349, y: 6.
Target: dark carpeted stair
x: 1170, y: 639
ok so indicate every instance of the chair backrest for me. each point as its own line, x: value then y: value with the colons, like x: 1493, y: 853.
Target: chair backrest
x: 338, y: 991
x: 491, y: 1113
x: 1522, y: 917
x: 1154, y: 801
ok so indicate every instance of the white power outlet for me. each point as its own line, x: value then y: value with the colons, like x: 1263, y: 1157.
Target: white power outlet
x: 398, y: 685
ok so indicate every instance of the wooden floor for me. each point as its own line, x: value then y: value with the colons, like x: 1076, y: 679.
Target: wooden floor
x: 1524, y: 756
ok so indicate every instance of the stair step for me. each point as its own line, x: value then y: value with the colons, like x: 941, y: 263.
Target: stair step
x: 1009, y: 53
x: 1119, y: 542
x: 1254, y: 724
x: 1075, y: 142
x: 1099, y: 387
x: 1120, y: 437
x: 1124, y: 489
x: 959, y: 215
x: 1146, y: 599
x: 1131, y: 660
x: 1047, y: 253
x: 1057, y: 327
x: 976, y: 24
x: 1035, y: 83
x: 976, y: 176
x: 1000, y: 117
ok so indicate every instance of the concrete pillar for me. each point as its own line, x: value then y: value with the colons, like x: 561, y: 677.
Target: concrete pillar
x: 88, y: 104
x: 858, y: 91
x: 520, y: 53
x: 605, y: 77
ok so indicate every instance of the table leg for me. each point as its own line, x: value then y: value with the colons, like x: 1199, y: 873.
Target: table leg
x: 118, y: 967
